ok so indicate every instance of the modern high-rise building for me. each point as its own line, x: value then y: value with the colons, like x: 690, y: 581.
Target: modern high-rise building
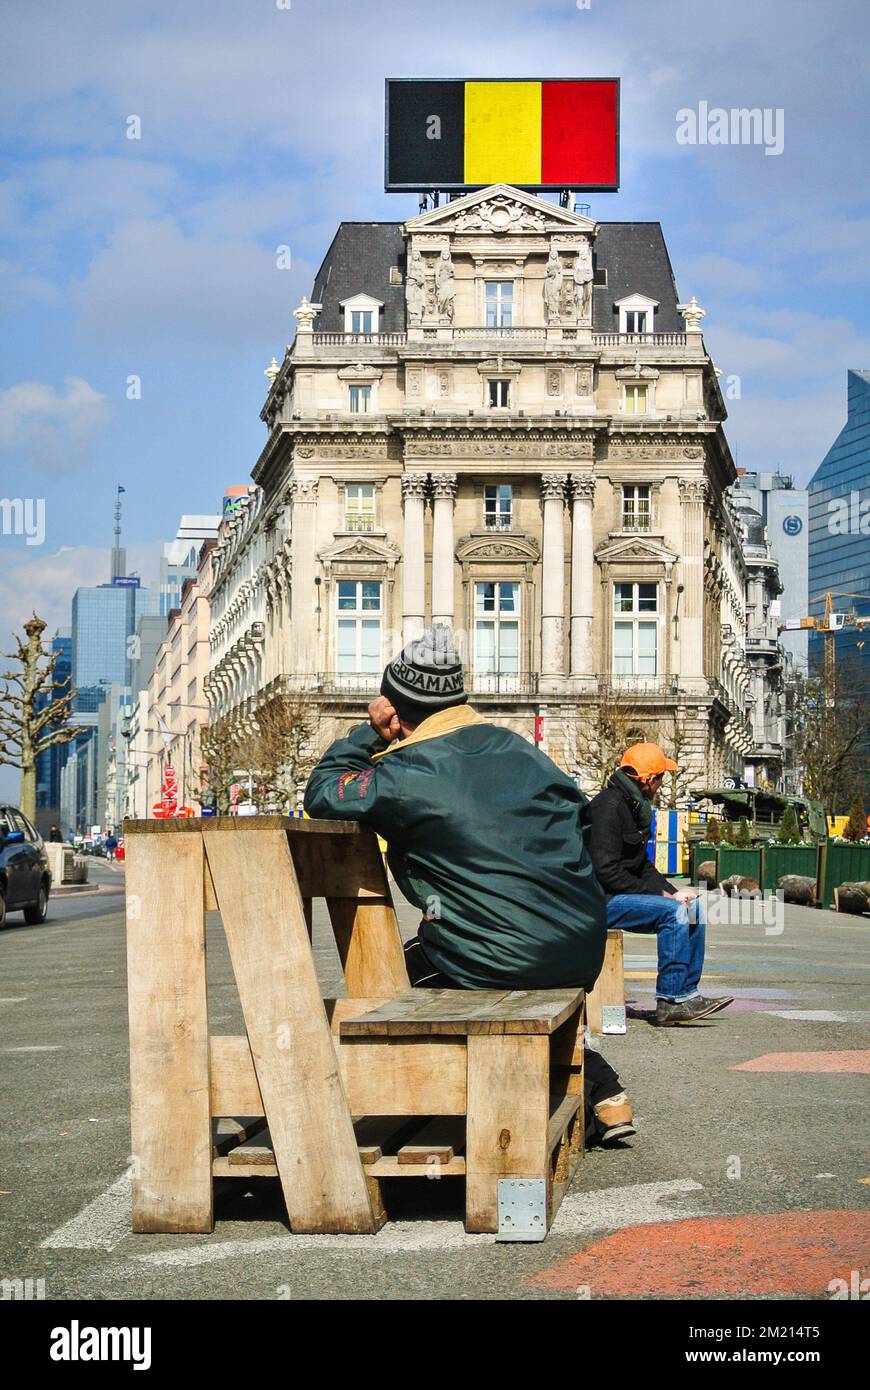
x: 178, y: 562
x: 50, y: 763
x: 784, y: 509
x: 839, y: 522
x: 104, y: 618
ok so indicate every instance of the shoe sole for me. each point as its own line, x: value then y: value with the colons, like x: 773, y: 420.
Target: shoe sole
x: 722, y: 1004
x: 617, y: 1132
x: 687, y: 1022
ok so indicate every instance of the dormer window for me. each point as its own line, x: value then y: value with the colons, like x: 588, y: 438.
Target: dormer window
x: 362, y: 315
x: 637, y: 314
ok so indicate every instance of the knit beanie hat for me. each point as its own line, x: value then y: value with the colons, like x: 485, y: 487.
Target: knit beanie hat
x: 426, y: 676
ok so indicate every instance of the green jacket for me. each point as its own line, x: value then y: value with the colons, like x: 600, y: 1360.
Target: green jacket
x: 485, y: 837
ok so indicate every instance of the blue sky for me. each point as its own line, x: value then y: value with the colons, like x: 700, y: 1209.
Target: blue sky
x: 263, y: 126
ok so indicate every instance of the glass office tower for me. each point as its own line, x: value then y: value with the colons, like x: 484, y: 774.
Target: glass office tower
x: 839, y: 523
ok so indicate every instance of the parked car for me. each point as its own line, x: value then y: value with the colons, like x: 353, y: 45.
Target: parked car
x: 25, y: 876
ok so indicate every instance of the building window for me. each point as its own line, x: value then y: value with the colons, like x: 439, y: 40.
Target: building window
x: 499, y: 303
x: 636, y: 511
x: 359, y: 507
x: 499, y: 393
x: 496, y: 631
x: 635, y: 321
x: 635, y: 629
x: 361, y: 315
x: 636, y: 313
x: 358, y: 631
x: 361, y: 321
x: 497, y: 506
x: 636, y: 399
x: 360, y: 400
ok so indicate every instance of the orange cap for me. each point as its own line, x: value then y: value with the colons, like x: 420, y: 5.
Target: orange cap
x: 648, y: 760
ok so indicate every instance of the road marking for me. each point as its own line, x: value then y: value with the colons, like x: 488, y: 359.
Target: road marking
x: 822, y: 1015
x: 99, y: 1225
x: 853, y: 1061
x: 55, y: 1048
x: 20, y: 999
x: 609, y: 1208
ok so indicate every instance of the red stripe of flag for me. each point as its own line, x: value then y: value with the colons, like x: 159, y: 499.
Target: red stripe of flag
x: 578, y: 133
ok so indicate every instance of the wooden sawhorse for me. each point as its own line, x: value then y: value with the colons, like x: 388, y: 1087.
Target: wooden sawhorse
x: 509, y: 1062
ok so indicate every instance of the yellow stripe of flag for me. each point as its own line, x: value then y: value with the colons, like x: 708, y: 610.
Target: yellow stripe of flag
x: 503, y: 132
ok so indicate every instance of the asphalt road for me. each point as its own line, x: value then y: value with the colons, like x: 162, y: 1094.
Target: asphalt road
x: 741, y: 1183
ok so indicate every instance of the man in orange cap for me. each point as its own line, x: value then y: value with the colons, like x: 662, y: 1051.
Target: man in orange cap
x: 639, y: 898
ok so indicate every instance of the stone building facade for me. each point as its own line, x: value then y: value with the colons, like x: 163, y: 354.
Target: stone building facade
x: 497, y: 415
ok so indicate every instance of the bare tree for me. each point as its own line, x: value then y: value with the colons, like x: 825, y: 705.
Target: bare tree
x: 34, y: 710
x: 676, y: 744
x: 226, y: 745
x: 286, y: 727
x: 832, y: 733
x: 600, y: 733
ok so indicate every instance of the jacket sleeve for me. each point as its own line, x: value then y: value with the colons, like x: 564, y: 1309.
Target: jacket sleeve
x: 655, y: 882
x: 606, y: 848
x: 348, y: 785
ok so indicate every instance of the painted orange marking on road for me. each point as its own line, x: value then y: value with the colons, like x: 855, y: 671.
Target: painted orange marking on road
x: 856, y: 1061
x: 781, y: 1252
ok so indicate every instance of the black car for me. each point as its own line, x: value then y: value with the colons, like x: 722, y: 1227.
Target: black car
x: 25, y: 876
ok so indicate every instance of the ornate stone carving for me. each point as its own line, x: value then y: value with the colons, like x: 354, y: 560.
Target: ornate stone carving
x: 445, y: 484
x: 637, y: 447
x: 360, y: 371
x: 304, y: 490
x: 500, y: 214
x: 584, y: 382
x: 554, y: 486
x: 353, y: 446
x: 470, y: 444
x: 415, y: 288
x: 554, y: 277
x: 583, y: 487
x: 582, y: 280
x: 444, y: 383
x: 692, y: 489
x: 414, y: 485
x: 478, y: 547
x: 554, y: 381
x: 445, y: 286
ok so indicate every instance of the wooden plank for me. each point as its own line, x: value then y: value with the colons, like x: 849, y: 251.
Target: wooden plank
x: 394, y: 1076
x: 213, y: 825
x: 508, y: 1115
x: 330, y: 867
x: 367, y: 932
x: 562, y: 1111
x: 169, y: 1055
x: 441, y: 1139
x: 228, y: 1133
x: 209, y: 893
x: 467, y: 1013
x: 392, y: 1168
x: 294, y: 1058
x: 234, y: 1086
x: 566, y: 1044
x: 380, y: 1134
x: 609, y: 988
x: 222, y: 1168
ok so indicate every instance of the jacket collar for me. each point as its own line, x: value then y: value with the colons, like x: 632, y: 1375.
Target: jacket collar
x: 444, y: 721
x: 641, y: 808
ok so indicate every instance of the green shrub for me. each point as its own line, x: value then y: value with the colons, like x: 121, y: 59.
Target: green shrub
x: 789, y: 830
x: 713, y: 833
x: 856, y: 826
x: 743, y: 837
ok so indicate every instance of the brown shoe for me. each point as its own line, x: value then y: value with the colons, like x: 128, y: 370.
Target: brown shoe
x: 614, y: 1118
x: 690, y: 1011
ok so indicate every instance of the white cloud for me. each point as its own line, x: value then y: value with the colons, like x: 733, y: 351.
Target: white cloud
x: 45, y: 584
x: 49, y: 429
x: 153, y: 283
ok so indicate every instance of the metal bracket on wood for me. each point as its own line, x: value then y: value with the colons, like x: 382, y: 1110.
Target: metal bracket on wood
x: 522, y: 1209
x: 613, y: 1018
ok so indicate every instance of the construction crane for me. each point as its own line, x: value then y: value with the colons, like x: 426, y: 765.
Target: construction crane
x: 830, y: 623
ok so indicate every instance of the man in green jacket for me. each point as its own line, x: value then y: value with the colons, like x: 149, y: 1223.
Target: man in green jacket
x: 485, y: 836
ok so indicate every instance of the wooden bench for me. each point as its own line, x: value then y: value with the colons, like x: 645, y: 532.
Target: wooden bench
x: 485, y: 1085
x: 605, y: 1005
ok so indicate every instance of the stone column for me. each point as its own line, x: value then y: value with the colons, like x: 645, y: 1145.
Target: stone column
x: 304, y: 636
x: 582, y: 650
x: 553, y: 488
x: 413, y: 561
x: 691, y: 661
x: 444, y: 487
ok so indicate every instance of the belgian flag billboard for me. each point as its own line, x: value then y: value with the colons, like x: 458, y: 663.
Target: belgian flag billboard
x: 544, y: 134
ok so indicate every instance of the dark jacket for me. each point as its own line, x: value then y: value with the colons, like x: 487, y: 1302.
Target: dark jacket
x: 617, y: 842
x: 485, y: 837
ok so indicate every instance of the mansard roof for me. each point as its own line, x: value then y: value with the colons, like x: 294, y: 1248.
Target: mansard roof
x: 633, y: 254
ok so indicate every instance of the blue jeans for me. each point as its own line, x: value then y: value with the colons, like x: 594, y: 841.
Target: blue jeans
x: 681, y: 931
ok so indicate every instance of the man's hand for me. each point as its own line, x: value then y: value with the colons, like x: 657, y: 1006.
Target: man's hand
x: 384, y: 719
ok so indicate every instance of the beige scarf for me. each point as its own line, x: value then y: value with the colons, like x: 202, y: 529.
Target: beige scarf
x: 445, y: 721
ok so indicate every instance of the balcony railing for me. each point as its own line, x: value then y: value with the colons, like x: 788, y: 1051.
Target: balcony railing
x: 359, y: 522
x: 501, y: 683
x: 516, y: 332
x: 359, y: 339
x: 365, y: 683
x: 626, y: 686
x: 639, y: 339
